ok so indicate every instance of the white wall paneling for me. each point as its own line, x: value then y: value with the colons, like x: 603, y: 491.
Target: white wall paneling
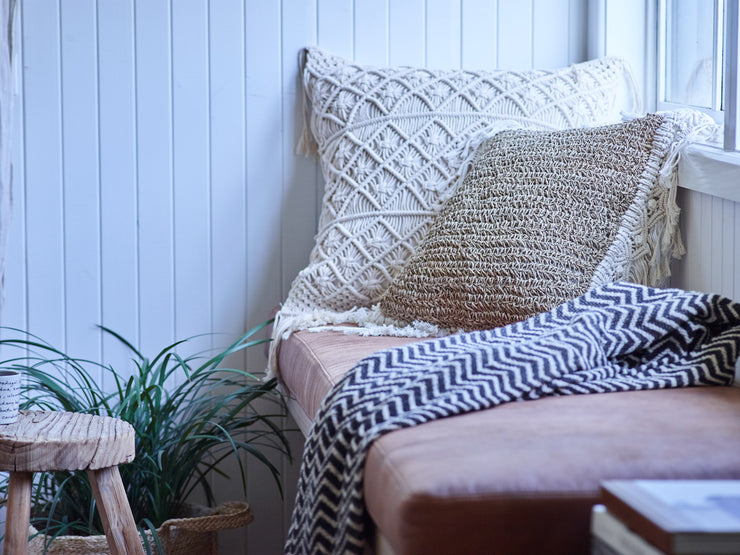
x: 370, y: 31
x: 478, y: 42
x: 549, y: 44
x: 443, y: 32
x: 264, y: 218
x: 625, y: 35
x: 192, y: 187
x: 711, y: 233
x: 80, y: 177
x: 154, y: 137
x: 119, y: 233
x: 301, y: 190
x: 406, y: 32
x: 45, y: 305
x: 515, y: 35
x: 227, y: 210
x: 157, y: 190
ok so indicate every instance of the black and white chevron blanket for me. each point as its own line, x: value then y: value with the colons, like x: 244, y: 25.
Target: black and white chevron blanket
x: 617, y: 337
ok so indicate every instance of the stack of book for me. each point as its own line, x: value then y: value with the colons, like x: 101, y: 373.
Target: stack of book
x: 667, y: 517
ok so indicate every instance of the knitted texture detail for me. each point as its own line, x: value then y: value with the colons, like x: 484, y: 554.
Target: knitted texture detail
x: 392, y: 142
x: 541, y: 218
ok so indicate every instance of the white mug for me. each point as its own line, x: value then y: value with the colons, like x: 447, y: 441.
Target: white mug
x: 10, y: 393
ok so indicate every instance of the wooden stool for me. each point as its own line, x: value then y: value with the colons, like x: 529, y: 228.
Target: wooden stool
x: 45, y: 441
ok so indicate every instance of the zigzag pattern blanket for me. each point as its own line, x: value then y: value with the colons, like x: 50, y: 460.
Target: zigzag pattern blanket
x: 614, y: 338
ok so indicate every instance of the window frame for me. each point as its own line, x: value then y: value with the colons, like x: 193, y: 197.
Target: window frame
x: 726, y: 48
x: 732, y: 59
x: 708, y: 168
x: 663, y: 14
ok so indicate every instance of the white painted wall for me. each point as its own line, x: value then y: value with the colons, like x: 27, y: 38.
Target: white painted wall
x: 711, y: 234
x: 156, y: 187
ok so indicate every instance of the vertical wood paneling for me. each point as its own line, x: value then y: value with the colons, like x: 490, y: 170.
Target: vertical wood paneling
x: 515, y: 34
x: 264, y: 161
x: 691, y: 226
x: 703, y: 243
x: 119, y: 280
x: 228, y: 168
x: 371, y: 31
x: 478, y: 41
x: 730, y: 247
x: 154, y: 135
x: 734, y: 262
x: 43, y: 180
x: 406, y: 36
x: 335, y: 24
x: 228, y: 204
x: 81, y: 186
x: 14, y: 306
x: 710, y: 227
x: 191, y: 148
x: 550, y: 46
x: 650, y: 60
x: 625, y: 35
x: 264, y: 157
x: 443, y: 32
x: 597, y: 27
x: 680, y: 267
x: 577, y: 31
x: 300, y: 190
x: 717, y: 250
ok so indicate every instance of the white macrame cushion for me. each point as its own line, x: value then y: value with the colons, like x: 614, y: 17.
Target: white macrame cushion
x: 392, y: 141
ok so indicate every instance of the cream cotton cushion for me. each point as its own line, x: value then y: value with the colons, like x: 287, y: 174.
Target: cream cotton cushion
x: 392, y: 141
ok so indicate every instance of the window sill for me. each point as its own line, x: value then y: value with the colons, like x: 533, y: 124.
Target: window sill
x: 710, y: 170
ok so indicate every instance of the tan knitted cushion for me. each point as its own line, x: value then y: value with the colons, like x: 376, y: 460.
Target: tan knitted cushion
x: 539, y: 219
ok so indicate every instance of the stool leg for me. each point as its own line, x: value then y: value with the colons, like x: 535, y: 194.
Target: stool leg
x: 115, y: 512
x: 19, y: 512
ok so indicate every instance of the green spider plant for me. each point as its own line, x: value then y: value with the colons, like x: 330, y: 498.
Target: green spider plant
x: 189, y: 414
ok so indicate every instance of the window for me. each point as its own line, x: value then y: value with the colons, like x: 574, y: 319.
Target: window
x: 698, y: 59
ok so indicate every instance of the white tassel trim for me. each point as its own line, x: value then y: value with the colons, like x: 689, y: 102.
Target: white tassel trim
x: 681, y: 128
x: 367, y: 322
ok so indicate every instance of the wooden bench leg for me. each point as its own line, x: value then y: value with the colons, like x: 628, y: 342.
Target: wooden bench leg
x: 19, y: 513
x: 115, y: 512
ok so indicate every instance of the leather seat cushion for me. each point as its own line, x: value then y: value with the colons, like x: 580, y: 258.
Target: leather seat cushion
x: 521, y: 477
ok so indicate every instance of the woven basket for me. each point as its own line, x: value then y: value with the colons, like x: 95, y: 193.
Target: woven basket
x: 192, y: 535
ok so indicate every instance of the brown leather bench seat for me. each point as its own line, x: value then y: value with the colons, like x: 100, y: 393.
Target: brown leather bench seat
x: 521, y: 477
